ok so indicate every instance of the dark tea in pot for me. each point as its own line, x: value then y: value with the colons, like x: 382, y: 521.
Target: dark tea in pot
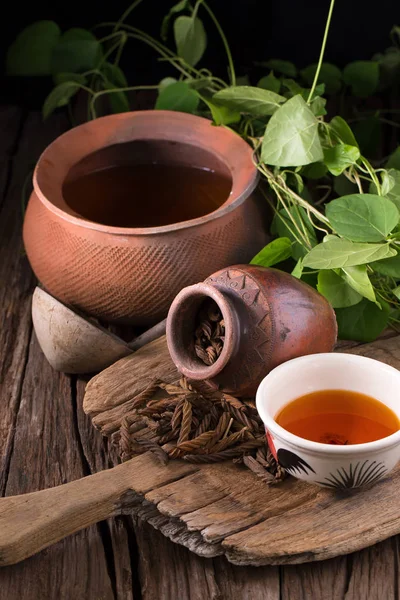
x: 146, y: 195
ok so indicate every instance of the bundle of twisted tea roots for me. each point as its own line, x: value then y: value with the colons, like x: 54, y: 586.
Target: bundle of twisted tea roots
x: 198, y: 425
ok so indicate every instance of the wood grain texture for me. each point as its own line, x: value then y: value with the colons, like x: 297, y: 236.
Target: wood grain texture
x: 179, y: 573
x: 121, y: 382
x: 15, y: 286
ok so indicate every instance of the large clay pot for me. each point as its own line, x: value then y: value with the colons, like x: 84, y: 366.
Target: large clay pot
x: 270, y: 317
x: 132, y: 274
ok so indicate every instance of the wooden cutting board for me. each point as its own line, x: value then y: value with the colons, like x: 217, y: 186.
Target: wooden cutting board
x: 223, y: 508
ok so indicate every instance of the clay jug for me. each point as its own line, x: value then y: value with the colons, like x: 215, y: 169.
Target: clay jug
x: 270, y: 317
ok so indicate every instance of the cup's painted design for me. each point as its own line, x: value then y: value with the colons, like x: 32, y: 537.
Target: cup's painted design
x: 292, y: 463
x: 363, y: 473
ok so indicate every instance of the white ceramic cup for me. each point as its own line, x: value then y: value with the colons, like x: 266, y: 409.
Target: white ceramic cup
x: 332, y: 466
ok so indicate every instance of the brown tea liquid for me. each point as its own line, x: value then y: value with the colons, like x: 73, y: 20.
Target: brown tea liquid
x: 338, y: 417
x: 147, y: 195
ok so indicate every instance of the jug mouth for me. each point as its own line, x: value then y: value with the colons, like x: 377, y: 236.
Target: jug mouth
x: 210, y: 146
x: 181, y: 326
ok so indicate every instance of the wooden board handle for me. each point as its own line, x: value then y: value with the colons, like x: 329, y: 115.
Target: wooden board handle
x: 31, y: 522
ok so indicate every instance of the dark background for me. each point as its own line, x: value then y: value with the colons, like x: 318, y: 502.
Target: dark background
x: 256, y: 30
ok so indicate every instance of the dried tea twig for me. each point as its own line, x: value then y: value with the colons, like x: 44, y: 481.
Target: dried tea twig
x: 198, y: 424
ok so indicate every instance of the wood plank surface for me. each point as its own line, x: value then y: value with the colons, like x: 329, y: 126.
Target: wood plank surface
x: 46, y: 439
x: 182, y: 574
x: 38, y: 438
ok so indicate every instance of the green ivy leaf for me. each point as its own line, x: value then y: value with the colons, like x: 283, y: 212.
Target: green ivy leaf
x: 190, y: 39
x: 314, y: 171
x: 273, y: 253
x: 340, y: 157
x: 63, y: 77
x: 297, y: 182
x: 77, y: 50
x: 330, y: 75
x: 357, y: 278
x: 291, y: 136
x: 388, y: 266
x: 243, y: 80
x: 222, y: 115
x: 114, y: 74
x: 59, y: 96
x: 281, y: 66
x: 342, y: 131
x: 318, y: 107
x: 31, y: 52
x: 362, y: 76
x: 369, y: 135
x: 177, y: 8
x: 298, y: 270
x: 390, y: 186
x: 394, y: 192
x: 396, y: 292
x: 114, y: 79
x: 395, y: 34
x: 119, y: 102
x: 336, y: 254
x: 389, y: 67
x: 362, y: 322
x: 394, y: 160
x: 164, y: 83
x: 335, y: 289
x: 198, y: 84
x: 362, y: 217
x: 387, y: 183
x: 294, y: 88
x: 178, y: 96
x: 344, y: 187
x: 270, y: 82
x: 249, y: 99
x: 76, y: 34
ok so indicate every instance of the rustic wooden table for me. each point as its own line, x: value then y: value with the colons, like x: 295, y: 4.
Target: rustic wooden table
x: 47, y: 440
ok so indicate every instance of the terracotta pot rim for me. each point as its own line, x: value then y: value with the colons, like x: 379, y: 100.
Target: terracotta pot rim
x: 241, y: 168
x: 198, y: 371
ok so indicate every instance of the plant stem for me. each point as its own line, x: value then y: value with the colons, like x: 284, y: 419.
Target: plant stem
x: 372, y: 175
x: 304, y: 203
x: 232, y: 75
x: 277, y: 213
x: 106, y: 38
x: 178, y: 63
x: 162, y: 52
x: 196, y: 9
x: 321, y: 55
x: 304, y: 241
x: 120, y: 48
x: 358, y: 181
x: 126, y: 14
x: 118, y: 90
x: 109, y: 52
